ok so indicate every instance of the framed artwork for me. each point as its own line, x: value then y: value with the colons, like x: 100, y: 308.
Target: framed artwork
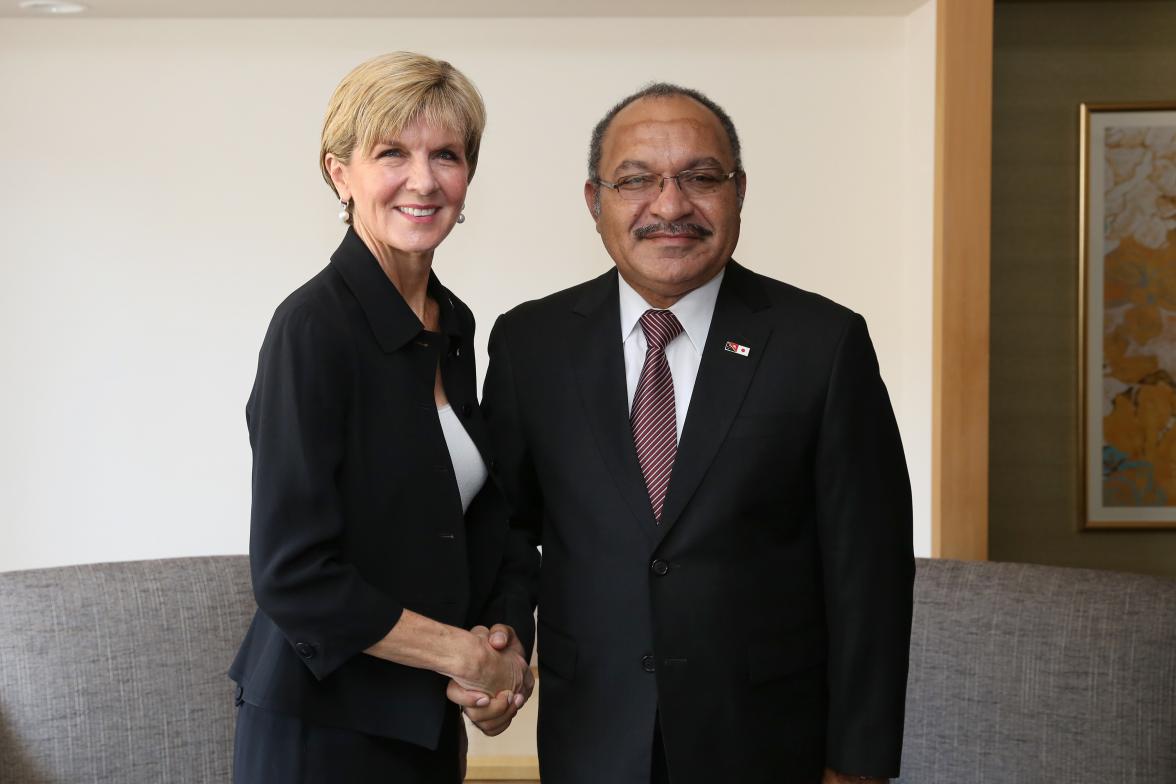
x: 1127, y: 315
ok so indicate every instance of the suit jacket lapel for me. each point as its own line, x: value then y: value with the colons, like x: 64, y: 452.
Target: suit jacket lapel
x: 723, y: 378
x: 597, y: 356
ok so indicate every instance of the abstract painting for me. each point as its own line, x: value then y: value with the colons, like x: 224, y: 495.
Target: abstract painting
x: 1128, y: 315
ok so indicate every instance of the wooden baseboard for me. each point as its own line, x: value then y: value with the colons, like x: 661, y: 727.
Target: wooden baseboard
x: 502, y: 770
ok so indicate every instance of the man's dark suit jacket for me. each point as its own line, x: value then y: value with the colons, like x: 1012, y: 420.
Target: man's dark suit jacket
x: 767, y: 619
x: 356, y: 513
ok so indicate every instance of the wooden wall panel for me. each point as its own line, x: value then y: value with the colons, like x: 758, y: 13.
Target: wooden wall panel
x: 963, y: 152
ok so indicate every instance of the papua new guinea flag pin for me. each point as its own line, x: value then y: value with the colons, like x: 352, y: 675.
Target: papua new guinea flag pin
x: 735, y: 348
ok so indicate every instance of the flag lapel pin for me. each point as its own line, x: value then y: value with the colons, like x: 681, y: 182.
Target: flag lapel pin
x: 735, y: 348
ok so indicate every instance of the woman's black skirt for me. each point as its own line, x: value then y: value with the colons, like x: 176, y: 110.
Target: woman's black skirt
x: 273, y: 748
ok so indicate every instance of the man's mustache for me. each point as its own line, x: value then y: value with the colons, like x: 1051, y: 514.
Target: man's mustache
x: 673, y: 229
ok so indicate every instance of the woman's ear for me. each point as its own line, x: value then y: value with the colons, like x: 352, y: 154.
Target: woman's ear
x: 338, y: 171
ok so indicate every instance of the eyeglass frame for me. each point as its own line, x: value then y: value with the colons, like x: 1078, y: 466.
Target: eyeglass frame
x: 661, y: 187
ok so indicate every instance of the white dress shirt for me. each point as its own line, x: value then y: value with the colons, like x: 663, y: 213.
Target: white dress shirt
x: 683, y: 353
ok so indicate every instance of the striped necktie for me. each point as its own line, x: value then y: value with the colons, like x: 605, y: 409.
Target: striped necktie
x: 654, y: 419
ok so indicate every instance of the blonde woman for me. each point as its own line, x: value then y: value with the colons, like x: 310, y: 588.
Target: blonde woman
x: 377, y: 539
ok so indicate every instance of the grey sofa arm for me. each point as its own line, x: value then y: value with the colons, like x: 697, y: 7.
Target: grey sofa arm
x: 116, y: 672
x: 1024, y: 673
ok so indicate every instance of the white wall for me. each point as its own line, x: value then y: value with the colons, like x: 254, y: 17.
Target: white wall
x: 161, y: 196
x: 911, y: 386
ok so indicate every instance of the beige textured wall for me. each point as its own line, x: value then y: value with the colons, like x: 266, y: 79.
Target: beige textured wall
x: 1050, y: 57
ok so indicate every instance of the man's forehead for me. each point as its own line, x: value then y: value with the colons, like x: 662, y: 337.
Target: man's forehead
x: 653, y: 127
x: 653, y: 111
x: 655, y: 122
x: 665, y: 106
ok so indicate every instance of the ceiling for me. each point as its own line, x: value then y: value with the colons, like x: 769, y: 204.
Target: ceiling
x: 275, y: 9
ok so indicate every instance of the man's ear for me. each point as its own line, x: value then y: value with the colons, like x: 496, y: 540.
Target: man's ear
x: 592, y: 198
x: 740, y: 188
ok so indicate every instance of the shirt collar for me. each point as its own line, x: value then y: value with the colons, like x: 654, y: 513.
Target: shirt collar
x: 389, y: 316
x: 694, y: 310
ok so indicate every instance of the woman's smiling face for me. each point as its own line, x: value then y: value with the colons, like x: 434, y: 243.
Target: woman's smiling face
x: 406, y: 192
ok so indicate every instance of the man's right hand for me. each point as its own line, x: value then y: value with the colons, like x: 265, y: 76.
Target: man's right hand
x: 493, y: 716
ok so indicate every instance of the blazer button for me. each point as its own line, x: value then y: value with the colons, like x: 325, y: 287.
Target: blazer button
x: 466, y: 410
x: 305, y: 650
x: 647, y: 663
x: 660, y: 567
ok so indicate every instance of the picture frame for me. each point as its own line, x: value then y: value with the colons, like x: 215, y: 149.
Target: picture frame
x: 1127, y: 315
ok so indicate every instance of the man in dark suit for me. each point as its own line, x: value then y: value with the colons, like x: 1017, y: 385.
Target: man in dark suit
x: 710, y: 461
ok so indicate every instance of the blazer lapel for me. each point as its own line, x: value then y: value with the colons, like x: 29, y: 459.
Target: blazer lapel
x: 723, y: 378
x: 461, y: 390
x: 457, y: 373
x: 597, y: 357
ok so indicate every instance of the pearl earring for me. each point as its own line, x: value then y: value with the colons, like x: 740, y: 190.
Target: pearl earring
x: 461, y: 217
x: 343, y: 216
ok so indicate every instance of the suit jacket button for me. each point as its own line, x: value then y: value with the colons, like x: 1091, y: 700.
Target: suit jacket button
x: 466, y: 410
x: 305, y: 650
x: 647, y: 663
x: 660, y: 567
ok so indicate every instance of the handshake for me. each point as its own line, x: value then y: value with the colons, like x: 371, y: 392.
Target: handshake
x: 493, y: 680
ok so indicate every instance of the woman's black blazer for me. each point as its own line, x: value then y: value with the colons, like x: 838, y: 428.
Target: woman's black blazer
x: 356, y: 513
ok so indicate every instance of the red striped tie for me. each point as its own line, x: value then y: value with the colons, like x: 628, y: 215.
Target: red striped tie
x: 654, y: 420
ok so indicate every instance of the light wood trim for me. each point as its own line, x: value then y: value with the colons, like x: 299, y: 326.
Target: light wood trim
x: 502, y: 769
x: 963, y: 166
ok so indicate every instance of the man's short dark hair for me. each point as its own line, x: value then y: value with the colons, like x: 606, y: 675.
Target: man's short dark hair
x: 660, y: 90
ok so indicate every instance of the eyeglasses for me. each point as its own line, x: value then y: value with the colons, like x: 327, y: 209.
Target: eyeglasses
x: 692, y: 182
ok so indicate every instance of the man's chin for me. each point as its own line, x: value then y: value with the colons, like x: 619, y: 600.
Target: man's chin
x: 674, y: 270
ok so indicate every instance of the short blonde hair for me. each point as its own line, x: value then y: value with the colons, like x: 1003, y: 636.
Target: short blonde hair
x: 383, y: 96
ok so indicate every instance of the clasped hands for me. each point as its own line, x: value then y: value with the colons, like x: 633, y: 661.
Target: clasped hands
x: 497, y: 683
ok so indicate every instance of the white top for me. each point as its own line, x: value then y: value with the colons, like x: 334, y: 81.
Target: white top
x: 467, y: 461
x: 683, y: 353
